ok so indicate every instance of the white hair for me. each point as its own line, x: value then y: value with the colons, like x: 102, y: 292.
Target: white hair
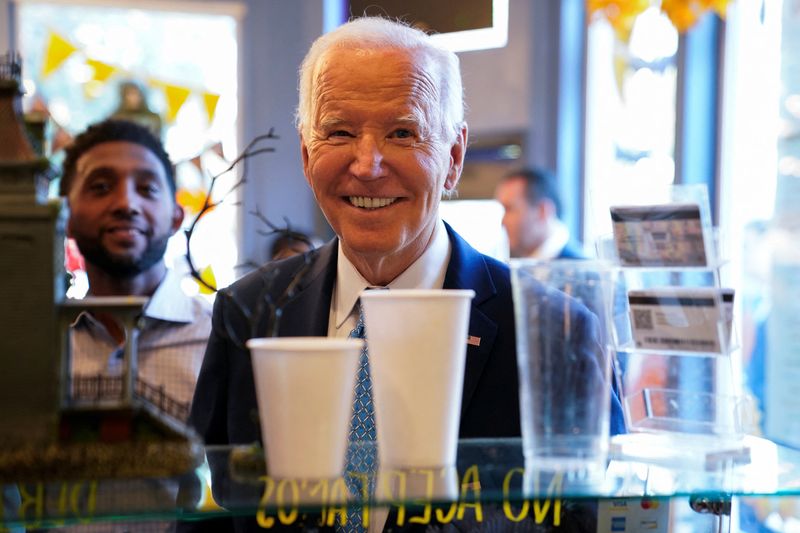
x: 381, y: 33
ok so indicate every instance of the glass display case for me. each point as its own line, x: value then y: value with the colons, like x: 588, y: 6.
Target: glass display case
x: 489, y: 480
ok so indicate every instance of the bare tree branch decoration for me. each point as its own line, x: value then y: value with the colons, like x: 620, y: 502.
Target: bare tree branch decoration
x: 252, y: 149
x: 266, y: 304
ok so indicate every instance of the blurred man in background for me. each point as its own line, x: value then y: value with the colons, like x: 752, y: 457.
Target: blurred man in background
x: 532, y: 216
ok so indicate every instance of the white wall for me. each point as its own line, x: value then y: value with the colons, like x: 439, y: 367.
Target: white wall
x: 275, y: 37
x: 496, y: 81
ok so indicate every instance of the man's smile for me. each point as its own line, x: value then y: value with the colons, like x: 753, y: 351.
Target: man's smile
x: 368, y: 202
x: 126, y: 234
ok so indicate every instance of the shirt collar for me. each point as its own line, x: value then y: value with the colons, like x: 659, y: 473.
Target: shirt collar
x: 427, y: 272
x: 555, y: 242
x: 169, y: 303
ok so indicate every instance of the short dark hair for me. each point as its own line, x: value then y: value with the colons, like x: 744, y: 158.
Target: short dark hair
x: 109, y: 131
x: 287, y: 240
x: 540, y: 183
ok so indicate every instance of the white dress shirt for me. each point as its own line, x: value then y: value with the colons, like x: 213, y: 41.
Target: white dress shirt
x: 427, y: 272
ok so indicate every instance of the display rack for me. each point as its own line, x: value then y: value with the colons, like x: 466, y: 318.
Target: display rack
x: 673, y: 329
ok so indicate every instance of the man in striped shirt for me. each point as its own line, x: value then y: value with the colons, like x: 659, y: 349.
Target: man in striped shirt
x: 120, y: 188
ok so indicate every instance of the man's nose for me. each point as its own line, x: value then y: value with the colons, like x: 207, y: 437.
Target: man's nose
x: 126, y: 197
x: 368, y: 159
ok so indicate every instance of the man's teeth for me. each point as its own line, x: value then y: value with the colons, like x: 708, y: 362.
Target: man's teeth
x: 371, y: 203
x: 126, y: 230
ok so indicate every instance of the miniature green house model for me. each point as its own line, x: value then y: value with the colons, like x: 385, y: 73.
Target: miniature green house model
x: 46, y: 431
x: 31, y: 259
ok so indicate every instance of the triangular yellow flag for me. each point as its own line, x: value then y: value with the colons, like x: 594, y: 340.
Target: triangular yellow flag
x: 57, y: 51
x: 210, y: 99
x: 207, y: 502
x: 620, y: 68
x: 720, y: 6
x: 176, y: 96
x: 682, y: 14
x: 102, y: 71
x: 192, y: 200
x: 207, y: 275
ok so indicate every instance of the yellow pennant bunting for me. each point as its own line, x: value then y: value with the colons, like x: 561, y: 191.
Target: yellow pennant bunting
x: 176, y: 96
x: 682, y: 13
x: 102, y: 71
x: 192, y: 201
x: 207, y: 275
x: 720, y: 6
x: 210, y: 100
x: 57, y: 51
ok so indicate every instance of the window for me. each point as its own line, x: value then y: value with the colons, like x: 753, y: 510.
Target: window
x: 78, y: 61
x: 630, y: 114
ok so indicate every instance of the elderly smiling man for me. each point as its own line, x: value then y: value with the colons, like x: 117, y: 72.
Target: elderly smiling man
x: 383, y: 137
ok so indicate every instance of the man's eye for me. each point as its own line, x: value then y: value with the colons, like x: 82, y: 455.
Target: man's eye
x: 149, y: 189
x: 99, y: 187
x: 340, y: 133
x: 403, y: 134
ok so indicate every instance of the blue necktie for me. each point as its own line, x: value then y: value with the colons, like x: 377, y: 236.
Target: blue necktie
x: 361, y: 450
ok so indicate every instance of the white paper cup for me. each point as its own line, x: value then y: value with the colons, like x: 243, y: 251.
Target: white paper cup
x: 304, y: 387
x: 417, y: 341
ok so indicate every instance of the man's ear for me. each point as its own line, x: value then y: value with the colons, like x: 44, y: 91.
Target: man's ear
x: 304, y: 156
x: 546, y: 209
x: 177, y: 217
x: 457, y: 152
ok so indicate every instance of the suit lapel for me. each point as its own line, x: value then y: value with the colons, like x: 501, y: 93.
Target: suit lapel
x: 307, y: 313
x: 467, y: 270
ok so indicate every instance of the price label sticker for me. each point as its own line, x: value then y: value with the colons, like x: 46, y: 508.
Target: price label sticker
x: 682, y: 319
x: 669, y: 235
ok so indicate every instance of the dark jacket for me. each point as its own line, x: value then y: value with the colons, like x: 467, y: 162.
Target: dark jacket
x: 224, y: 409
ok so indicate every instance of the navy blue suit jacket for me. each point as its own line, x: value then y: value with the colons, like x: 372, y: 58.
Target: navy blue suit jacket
x: 224, y: 409
x: 571, y: 251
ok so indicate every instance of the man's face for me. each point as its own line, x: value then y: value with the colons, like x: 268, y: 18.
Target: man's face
x: 122, y: 212
x: 522, y: 221
x: 376, y: 157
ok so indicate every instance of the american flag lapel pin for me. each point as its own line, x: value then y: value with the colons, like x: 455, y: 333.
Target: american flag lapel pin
x: 472, y: 340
